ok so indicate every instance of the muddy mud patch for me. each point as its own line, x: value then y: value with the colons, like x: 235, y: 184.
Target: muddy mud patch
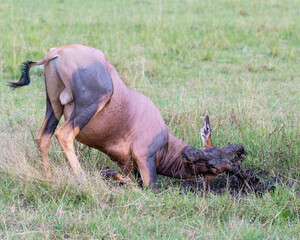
x: 252, y: 180
x: 239, y: 184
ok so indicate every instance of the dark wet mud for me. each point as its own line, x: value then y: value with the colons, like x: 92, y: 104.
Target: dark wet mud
x: 250, y: 180
x: 242, y: 183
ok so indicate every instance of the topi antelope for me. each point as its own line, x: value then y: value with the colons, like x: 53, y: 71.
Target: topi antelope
x: 102, y: 113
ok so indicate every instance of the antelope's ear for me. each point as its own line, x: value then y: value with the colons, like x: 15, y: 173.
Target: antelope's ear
x: 206, y: 120
x: 206, y: 133
x: 205, y: 130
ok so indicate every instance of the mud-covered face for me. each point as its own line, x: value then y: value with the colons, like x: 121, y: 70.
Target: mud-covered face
x: 212, y: 160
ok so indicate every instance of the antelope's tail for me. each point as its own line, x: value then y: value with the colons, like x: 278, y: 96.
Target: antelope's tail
x: 25, y: 78
x: 25, y: 67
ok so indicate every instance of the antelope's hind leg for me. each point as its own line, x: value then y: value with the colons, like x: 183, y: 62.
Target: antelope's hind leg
x: 91, y: 87
x: 54, y: 111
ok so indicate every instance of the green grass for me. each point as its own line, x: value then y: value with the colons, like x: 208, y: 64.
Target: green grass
x: 237, y: 61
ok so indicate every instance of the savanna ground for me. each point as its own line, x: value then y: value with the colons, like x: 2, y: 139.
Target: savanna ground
x: 237, y: 61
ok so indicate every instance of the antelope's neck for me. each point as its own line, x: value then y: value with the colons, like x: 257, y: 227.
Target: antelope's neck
x: 171, y: 164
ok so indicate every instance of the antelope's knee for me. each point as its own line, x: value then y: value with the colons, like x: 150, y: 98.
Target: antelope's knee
x: 61, y: 138
x: 65, y: 138
x: 42, y: 141
x: 38, y: 139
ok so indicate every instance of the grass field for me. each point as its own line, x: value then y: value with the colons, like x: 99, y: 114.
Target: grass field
x: 237, y: 61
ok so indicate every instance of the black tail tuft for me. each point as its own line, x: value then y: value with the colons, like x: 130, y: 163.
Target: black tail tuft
x: 24, y: 79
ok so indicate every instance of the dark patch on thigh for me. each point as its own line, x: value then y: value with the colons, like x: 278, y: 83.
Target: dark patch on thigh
x: 157, y: 144
x: 52, y: 121
x: 90, y: 85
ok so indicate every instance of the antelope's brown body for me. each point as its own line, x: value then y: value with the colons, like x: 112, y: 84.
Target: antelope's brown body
x: 101, y: 112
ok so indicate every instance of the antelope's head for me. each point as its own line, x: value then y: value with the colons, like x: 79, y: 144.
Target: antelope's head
x: 211, y: 160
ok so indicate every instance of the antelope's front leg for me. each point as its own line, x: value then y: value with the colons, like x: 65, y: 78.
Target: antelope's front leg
x: 147, y: 169
x: 146, y: 153
x: 115, y: 175
x: 206, y: 183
